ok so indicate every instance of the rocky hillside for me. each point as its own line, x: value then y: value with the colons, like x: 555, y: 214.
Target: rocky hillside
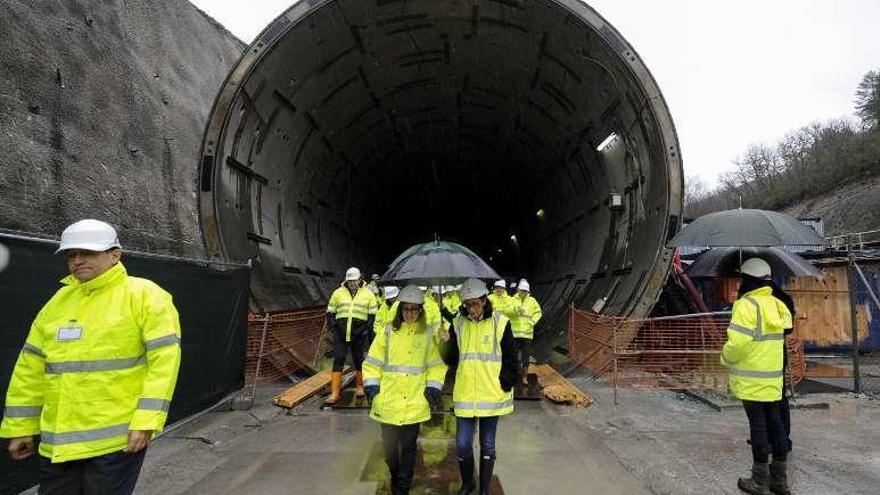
x: 854, y: 207
x: 102, y: 109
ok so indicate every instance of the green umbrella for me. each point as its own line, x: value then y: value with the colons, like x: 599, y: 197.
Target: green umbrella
x: 437, y: 262
x: 747, y: 227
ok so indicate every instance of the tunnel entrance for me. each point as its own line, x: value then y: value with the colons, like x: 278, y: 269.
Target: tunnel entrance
x: 527, y: 130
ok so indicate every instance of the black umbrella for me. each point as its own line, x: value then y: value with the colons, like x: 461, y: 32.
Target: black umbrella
x: 745, y: 227
x: 437, y: 263
x: 726, y: 261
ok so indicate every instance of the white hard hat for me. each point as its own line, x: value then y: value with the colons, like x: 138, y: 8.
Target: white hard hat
x: 755, y: 267
x: 352, y: 274
x: 501, y: 283
x: 512, y: 285
x: 375, y: 276
x: 90, y: 235
x: 523, y: 285
x: 423, y: 288
x: 373, y: 289
x: 412, y: 294
x: 391, y: 292
x: 472, y: 289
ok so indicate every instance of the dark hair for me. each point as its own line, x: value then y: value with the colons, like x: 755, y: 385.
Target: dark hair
x: 398, y: 316
x: 487, y: 309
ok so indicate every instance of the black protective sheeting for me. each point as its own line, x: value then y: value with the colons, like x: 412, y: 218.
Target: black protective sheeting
x: 213, y: 307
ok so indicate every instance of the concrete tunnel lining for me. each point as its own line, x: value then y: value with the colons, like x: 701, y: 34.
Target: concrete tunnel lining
x: 351, y: 129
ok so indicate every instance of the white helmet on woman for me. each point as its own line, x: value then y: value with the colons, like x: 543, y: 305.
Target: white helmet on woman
x: 473, y: 288
x: 411, y: 294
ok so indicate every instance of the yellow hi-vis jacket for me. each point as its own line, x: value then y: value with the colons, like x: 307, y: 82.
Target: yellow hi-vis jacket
x: 452, y: 302
x: 477, y: 392
x: 754, y: 349
x: 359, y: 307
x: 502, y: 304
x: 384, y: 316
x: 526, y: 313
x: 101, y: 358
x: 403, y: 363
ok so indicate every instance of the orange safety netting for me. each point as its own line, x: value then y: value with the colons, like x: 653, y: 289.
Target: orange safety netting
x: 679, y: 352
x: 280, y: 343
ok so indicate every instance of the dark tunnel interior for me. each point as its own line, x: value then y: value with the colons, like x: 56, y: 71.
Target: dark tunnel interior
x: 527, y: 130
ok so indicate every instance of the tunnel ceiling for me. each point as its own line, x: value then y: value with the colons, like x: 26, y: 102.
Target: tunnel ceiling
x: 353, y: 128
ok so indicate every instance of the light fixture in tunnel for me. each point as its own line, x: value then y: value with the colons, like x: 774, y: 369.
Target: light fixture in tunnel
x: 608, y: 141
x: 541, y: 215
x: 513, y: 238
x: 616, y: 201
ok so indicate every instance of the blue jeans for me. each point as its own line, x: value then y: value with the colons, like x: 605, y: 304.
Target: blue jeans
x: 464, y: 436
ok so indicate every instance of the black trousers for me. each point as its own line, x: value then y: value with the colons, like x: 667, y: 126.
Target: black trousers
x: 524, y: 350
x: 358, y: 346
x: 110, y: 474
x: 399, y: 443
x: 766, y: 431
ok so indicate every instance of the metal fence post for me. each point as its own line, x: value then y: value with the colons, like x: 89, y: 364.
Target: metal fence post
x: 260, y: 356
x: 854, y: 322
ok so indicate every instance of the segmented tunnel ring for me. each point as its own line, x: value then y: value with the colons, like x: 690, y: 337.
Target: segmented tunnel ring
x: 351, y: 129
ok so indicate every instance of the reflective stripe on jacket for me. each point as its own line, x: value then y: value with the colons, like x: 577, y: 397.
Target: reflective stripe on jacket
x: 477, y: 391
x: 754, y: 348
x: 526, y: 313
x: 347, y: 308
x: 403, y: 363
x: 101, y: 358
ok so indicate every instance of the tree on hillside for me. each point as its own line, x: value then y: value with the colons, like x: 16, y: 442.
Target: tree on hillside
x: 868, y: 100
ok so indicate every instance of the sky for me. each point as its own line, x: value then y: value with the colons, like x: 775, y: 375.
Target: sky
x: 733, y: 73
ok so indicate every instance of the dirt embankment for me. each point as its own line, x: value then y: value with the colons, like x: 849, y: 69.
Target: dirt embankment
x: 102, y: 110
x: 853, y: 207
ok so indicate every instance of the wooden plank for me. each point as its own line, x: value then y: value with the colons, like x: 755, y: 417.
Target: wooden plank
x: 298, y: 393
x: 556, y: 388
x: 823, y: 312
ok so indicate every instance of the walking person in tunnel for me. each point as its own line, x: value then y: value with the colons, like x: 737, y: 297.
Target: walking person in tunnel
x: 753, y: 355
x: 483, y: 349
x: 525, y: 314
x: 403, y: 377
x: 501, y: 299
x: 97, y: 371
x: 350, y: 315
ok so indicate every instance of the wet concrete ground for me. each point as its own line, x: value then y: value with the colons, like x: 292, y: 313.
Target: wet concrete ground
x: 653, y: 442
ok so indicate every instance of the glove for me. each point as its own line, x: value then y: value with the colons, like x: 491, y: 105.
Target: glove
x: 371, y: 391
x: 433, y: 396
x: 506, y: 381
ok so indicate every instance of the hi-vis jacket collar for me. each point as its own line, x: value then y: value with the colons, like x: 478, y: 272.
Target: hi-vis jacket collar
x: 114, y: 275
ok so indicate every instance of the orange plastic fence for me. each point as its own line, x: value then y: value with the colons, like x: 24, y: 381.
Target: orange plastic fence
x: 292, y: 340
x: 680, y: 352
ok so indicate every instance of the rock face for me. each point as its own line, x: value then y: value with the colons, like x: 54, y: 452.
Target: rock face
x: 102, y: 110
x: 852, y: 207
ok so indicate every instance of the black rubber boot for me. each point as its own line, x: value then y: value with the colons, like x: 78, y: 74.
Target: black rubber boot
x: 466, y: 467
x: 779, y: 478
x: 487, y: 464
x: 759, y: 483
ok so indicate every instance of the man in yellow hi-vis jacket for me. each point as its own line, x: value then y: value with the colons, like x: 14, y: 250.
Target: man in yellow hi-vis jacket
x: 97, y: 372
x: 753, y: 355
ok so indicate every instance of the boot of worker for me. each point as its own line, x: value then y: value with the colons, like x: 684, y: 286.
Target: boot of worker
x: 487, y: 465
x: 759, y: 483
x: 466, y: 467
x: 359, y: 384
x: 335, y: 387
x: 779, y: 478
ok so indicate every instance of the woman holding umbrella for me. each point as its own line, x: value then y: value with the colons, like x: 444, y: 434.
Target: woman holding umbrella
x: 403, y: 376
x: 483, y: 349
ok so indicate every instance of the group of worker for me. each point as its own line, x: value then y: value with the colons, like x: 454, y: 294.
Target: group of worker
x: 419, y: 335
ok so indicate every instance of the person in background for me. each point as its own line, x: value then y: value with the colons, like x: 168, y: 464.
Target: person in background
x: 753, y: 355
x: 350, y: 315
x: 97, y: 371
x: 526, y: 312
x: 483, y: 351
x: 501, y: 299
x: 403, y: 377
